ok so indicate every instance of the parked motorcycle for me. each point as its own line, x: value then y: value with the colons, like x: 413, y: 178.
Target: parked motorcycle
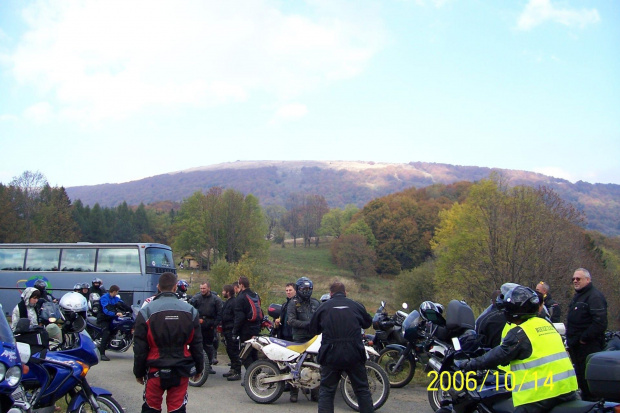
x: 440, y: 331
x: 388, y: 329
x: 487, y: 391
x: 10, y: 364
x: 121, y: 331
x: 398, y: 361
x: 295, y: 364
x: 54, y: 375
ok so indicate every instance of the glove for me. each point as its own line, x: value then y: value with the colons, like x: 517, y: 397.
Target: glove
x: 464, y: 365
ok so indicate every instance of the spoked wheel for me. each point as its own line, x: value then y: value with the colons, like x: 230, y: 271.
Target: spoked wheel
x: 107, y: 404
x: 378, y: 383
x: 255, y: 385
x: 399, y: 376
x: 202, y: 379
x: 435, y: 397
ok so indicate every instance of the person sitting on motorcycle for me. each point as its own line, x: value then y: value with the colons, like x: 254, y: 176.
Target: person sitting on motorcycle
x: 182, y: 287
x: 109, y: 310
x: 97, y: 287
x: 41, y: 285
x: 85, y: 290
x: 535, y: 352
x: 299, y: 311
x: 26, y: 308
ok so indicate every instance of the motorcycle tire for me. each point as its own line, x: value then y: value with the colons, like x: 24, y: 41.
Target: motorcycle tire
x: 401, y: 376
x: 202, y: 379
x: 106, y: 403
x: 258, y: 391
x: 435, y: 397
x: 378, y: 384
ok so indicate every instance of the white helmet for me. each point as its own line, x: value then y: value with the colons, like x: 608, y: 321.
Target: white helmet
x: 74, y: 302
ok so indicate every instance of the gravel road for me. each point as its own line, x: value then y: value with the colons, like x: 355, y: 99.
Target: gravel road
x: 220, y: 395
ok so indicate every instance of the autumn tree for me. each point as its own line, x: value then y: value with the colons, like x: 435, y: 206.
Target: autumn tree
x: 501, y: 234
x: 353, y: 253
x: 336, y: 219
x: 54, y: 220
x: 29, y: 185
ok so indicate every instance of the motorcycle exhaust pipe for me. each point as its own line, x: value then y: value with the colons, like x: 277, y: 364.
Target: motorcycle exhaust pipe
x: 434, y: 363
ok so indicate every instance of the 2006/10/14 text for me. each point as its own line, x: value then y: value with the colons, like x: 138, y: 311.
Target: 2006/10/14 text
x: 457, y: 380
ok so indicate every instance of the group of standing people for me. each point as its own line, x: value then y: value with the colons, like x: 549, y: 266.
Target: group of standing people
x: 516, y: 326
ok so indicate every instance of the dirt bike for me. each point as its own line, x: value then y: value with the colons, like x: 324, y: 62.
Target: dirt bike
x: 296, y: 364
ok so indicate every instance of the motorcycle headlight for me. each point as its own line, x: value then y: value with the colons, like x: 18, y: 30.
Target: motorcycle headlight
x: 13, y: 375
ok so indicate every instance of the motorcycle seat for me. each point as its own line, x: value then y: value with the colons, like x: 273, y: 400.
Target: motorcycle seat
x: 575, y: 406
x: 299, y: 347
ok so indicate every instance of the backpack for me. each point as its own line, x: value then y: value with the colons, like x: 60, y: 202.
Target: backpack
x: 256, y: 313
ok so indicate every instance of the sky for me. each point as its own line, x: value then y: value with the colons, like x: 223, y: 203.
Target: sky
x: 113, y: 91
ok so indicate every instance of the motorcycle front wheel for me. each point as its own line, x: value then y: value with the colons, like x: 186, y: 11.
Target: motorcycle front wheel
x: 378, y: 384
x: 106, y: 403
x: 256, y: 388
x: 202, y: 379
x: 399, y: 376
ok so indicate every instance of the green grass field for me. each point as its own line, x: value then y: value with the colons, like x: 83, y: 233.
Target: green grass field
x: 288, y: 264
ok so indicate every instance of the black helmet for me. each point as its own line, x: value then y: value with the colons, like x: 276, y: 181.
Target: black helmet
x: 97, y: 280
x: 182, y: 286
x: 518, y: 302
x: 85, y: 285
x: 77, y: 287
x: 40, y: 285
x: 304, y: 287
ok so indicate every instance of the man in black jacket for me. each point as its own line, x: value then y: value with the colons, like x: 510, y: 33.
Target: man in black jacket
x: 341, y: 321
x: 171, y: 325
x: 285, y: 331
x: 209, y: 308
x: 243, y: 328
x: 228, y: 322
x: 585, y: 325
x: 553, y: 307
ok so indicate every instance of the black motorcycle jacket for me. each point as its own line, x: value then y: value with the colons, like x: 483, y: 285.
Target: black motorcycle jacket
x: 553, y: 307
x: 341, y: 321
x: 209, y: 308
x: 172, y: 326
x: 228, y: 315
x: 243, y: 327
x: 299, y: 313
x: 285, y: 331
x: 515, y: 346
x: 489, y: 326
x: 587, y: 317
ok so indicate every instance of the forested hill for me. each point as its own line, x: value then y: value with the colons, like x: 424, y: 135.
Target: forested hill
x: 341, y: 183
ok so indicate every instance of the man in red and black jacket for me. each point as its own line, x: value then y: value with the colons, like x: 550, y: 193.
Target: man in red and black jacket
x: 167, y: 348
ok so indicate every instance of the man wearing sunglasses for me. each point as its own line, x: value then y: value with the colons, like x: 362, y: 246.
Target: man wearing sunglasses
x: 586, y: 325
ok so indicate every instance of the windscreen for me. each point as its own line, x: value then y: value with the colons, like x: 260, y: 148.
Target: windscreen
x: 159, y: 260
x: 6, y: 335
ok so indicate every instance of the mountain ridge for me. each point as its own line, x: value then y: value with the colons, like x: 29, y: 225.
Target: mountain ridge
x: 341, y: 183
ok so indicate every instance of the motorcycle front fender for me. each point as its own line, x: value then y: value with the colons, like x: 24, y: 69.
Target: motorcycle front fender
x: 400, y: 348
x: 79, y: 398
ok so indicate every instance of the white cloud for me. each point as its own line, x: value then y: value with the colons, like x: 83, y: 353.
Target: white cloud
x: 8, y: 118
x: 40, y: 112
x: 539, y: 11
x: 290, y: 111
x: 555, y: 172
x: 109, y: 59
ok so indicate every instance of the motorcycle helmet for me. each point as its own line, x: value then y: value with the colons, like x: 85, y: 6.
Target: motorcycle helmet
x: 85, y: 285
x: 40, y: 285
x: 73, y: 307
x: 518, y: 302
x: 182, y: 286
x: 429, y: 310
x: 304, y: 287
x: 325, y: 297
x: 77, y: 287
x: 97, y: 281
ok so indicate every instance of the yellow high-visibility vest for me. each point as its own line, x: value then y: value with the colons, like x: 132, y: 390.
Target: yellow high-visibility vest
x: 548, y: 372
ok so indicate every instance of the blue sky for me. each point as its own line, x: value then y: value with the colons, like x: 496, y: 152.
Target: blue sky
x: 113, y: 91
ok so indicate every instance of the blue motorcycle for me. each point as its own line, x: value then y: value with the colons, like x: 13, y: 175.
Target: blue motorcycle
x: 10, y: 364
x: 121, y: 331
x: 55, y: 375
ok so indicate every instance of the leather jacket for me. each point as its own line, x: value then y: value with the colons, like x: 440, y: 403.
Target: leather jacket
x: 299, y: 313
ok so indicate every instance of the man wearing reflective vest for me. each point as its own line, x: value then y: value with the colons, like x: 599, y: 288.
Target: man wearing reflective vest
x: 542, y: 373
